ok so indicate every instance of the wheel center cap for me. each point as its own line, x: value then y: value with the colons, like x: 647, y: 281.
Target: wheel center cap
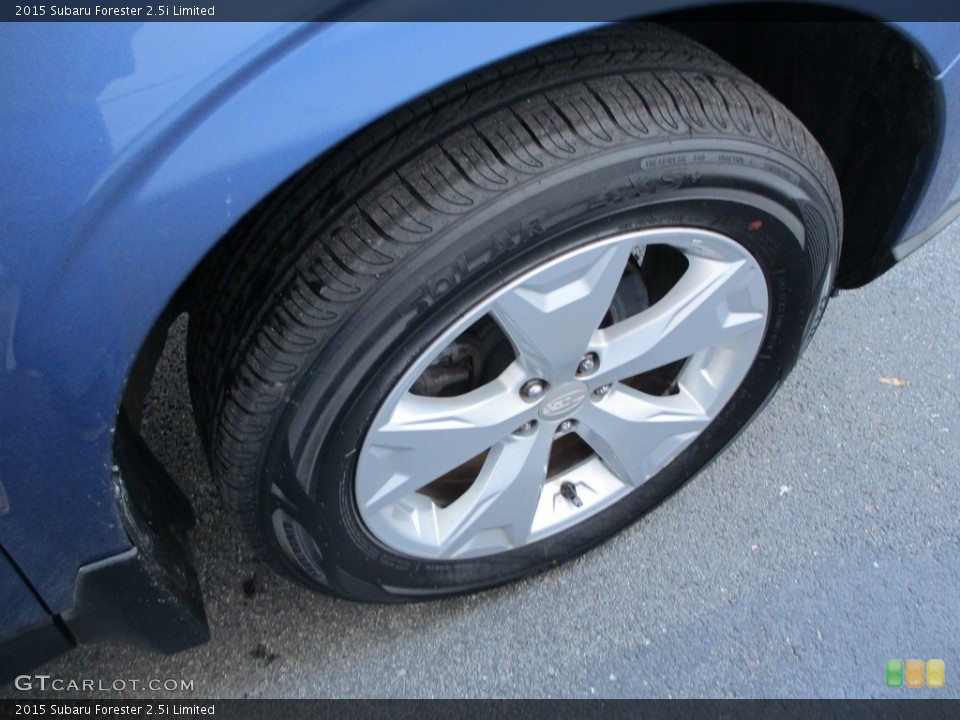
x: 561, y: 401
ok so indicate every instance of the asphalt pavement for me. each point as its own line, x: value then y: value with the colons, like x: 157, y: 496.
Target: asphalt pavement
x: 822, y: 543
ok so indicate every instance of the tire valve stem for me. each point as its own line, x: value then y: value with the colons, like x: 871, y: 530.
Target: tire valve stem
x: 569, y: 491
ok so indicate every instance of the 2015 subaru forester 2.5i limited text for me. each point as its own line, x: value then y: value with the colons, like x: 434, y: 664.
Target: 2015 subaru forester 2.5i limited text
x: 464, y: 299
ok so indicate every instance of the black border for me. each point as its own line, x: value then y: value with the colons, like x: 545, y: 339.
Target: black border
x: 445, y: 10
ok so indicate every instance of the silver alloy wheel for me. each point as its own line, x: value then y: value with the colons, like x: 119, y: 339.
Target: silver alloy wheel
x: 714, y: 317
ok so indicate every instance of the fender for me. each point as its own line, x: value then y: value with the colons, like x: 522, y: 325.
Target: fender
x: 164, y: 157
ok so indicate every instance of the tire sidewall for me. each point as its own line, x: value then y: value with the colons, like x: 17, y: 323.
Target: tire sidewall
x: 761, y: 198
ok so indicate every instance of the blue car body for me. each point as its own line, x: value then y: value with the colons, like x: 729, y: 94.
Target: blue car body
x: 127, y: 151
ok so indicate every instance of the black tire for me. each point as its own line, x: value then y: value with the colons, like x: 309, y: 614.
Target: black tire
x: 311, y: 309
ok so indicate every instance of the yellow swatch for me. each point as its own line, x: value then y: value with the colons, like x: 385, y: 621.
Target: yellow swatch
x: 936, y: 673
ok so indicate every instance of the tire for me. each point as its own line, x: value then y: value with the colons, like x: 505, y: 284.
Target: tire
x: 561, y: 286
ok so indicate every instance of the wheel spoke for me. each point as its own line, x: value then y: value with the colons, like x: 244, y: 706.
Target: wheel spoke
x: 713, y: 303
x: 504, y: 496
x: 426, y: 437
x: 636, y: 434
x: 551, y: 316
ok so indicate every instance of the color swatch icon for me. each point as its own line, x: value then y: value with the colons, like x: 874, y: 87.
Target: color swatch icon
x: 911, y: 673
x: 914, y: 673
x: 936, y: 673
x: 894, y: 673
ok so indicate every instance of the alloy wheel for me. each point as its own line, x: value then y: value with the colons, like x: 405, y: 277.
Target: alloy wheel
x: 578, y: 414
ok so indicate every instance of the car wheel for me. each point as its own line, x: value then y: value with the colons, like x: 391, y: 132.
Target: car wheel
x: 501, y: 324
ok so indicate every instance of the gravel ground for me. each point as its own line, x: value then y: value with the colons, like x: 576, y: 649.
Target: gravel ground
x: 822, y: 543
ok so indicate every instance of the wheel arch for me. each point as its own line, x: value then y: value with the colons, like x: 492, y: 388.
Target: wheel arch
x: 202, y: 172
x: 196, y: 169
x: 223, y: 184
x: 216, y: 185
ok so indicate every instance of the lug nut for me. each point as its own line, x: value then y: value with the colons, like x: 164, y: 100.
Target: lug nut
x: 589, y: 364
x: 533, y: 389
x: 527, y: 428
x: 602, y: 390
x: 566, y: 426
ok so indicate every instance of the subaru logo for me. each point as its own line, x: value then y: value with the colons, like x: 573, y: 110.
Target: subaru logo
x: 563, y: 401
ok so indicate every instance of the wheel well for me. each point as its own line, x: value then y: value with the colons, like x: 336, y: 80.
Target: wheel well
x: 861, y: 88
